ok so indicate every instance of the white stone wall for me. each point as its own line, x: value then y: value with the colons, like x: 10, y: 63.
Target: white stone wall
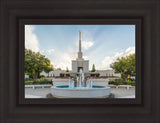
x: 44, y: 74
x: 74, y: 66
x: 86, y: 66
x: 52, y: 73
x: 57, y: 72
x: 60, y: 81
x: 80, y: 63
x: 108, y: 73
x: 117, y: 74
x: 100, y: 82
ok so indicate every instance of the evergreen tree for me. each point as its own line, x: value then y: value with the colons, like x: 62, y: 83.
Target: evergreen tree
x: 93, y: 68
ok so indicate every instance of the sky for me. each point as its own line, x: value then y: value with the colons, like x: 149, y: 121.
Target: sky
x: 101, y: 44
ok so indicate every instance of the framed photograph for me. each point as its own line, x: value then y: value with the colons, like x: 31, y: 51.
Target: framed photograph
x: 70, y: 61
x: 96, y: 62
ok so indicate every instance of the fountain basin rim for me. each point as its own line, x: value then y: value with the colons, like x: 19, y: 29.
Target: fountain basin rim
x: 81, y: 92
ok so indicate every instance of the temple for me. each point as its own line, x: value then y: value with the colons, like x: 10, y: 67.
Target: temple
x: 80, y: 63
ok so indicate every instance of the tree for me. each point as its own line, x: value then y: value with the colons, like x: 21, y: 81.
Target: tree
x: 58, y: 69
x: 67, y: 70
x: 36, y: 63
x: 125, y: 66
x: 93, y: 68
x: 48, y: 69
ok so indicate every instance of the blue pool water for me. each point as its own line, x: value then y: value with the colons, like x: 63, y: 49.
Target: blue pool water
x: 66, y: 86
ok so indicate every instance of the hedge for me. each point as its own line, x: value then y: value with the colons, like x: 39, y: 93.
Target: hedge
x: 122, y: 82
x: 38, y: 82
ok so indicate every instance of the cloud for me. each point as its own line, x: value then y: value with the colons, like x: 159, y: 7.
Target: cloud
x: 86, y: 57
x: 109, y: 60
x: 31, y: 41
x: 87, y: 44
x: 61, y: 59
x: 86, y: 39
x: 47, y: 52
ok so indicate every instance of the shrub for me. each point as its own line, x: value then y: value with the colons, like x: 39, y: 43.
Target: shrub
x: 67, y: 74
x: 116, y: 83
x: 41, y: 76
x: 28, y: 83
x: 97, y: 75
x: 92, y: 74
x: 28, y: 79
x: 111, y: 82
x: 61, y: 75
x: 117, y: 80
x: 41, y: 81
x: 133, y: 83
x: 122, y: 82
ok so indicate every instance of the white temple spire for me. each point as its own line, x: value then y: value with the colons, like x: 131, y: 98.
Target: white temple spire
x: 80, y: 52
x: 80, y: 63
x: 79, y: 41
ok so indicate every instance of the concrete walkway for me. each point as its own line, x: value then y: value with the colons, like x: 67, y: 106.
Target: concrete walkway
x: 42, y: 92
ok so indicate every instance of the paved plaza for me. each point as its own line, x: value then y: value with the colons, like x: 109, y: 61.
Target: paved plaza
x: 42, y: 92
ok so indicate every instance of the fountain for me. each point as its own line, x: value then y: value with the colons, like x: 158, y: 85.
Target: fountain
x: 82, y: 88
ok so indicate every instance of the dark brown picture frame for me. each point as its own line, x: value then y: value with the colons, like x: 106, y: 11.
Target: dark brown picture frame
x: 132, y: 21
x: 144, y: 14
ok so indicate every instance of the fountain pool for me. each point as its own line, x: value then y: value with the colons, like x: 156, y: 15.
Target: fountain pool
x: 81, y: 92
